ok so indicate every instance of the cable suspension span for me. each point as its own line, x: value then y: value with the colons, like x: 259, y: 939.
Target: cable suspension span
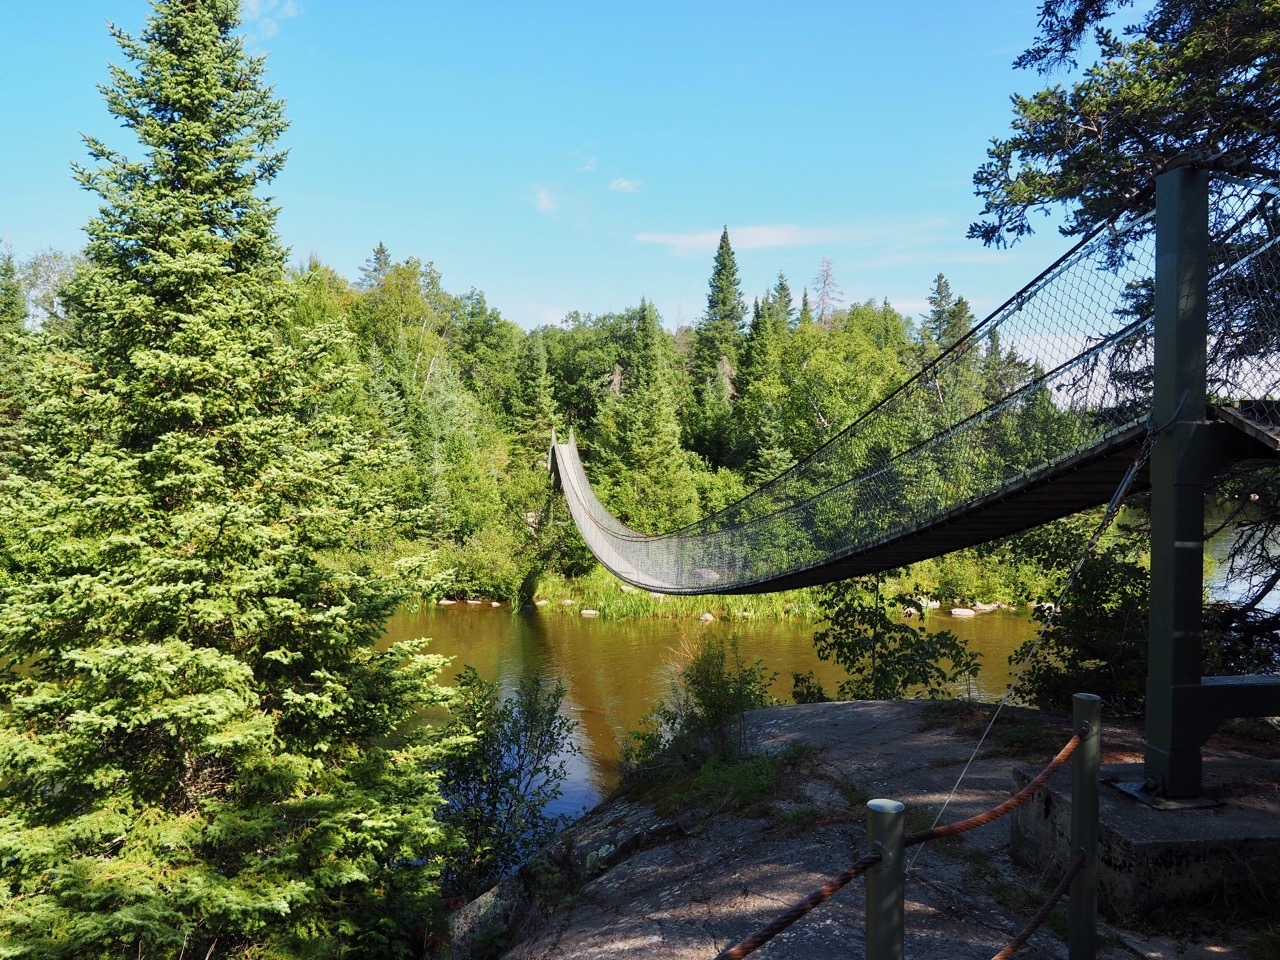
x: 1063, y: 376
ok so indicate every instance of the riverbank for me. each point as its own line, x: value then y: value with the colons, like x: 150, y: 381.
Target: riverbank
x: 628, y: 881
x: 601, y: 595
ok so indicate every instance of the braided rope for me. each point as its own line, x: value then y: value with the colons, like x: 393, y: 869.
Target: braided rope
x: 995, y: 813
x: 818, y: 897
x: 838, y: 882
x: 1034, y: 924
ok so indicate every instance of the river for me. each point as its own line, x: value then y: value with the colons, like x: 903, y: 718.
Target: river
x: 614, y: 670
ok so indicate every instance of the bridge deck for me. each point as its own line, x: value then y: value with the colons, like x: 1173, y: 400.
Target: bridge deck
x: 1086, y: 479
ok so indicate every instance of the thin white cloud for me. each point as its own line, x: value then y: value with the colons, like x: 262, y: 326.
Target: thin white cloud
x: 263, y: 17
x: 623, y: 185
x: 543, y: 200
x: 683, y: 244
x: 588, y: 164
x: 866, y: 246
x: 760, y: 237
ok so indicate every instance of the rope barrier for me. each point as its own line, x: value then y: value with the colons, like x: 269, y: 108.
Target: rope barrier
x: 1018, y: 942
x: 818, y: 897
x: 835, y: 884
x: 995, y: 813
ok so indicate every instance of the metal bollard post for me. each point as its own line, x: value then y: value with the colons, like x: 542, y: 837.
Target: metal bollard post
x: 1083, y: 920
x: 886, y: 830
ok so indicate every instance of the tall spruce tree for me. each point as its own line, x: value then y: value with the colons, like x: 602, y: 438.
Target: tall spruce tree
x: 13, y: 301
x: 201, y: 751
x: 533, y: 411
x: 717, y: 344
x: 646, y: 477
x: 806, y: 312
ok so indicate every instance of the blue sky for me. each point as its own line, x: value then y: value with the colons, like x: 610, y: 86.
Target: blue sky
x: 578, y: 156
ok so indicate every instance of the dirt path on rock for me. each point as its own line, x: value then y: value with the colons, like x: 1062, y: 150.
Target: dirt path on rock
x: 626, y: 882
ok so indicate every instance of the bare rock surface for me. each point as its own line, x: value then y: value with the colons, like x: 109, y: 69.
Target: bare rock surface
x: 628, y: 882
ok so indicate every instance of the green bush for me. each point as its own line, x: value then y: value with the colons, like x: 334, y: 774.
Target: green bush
x: 806, y: 688
x: 498, y: 784
x: 491, y: 563
x: 1098, y: 641
x: 702, y: 718
x: 887, y: 657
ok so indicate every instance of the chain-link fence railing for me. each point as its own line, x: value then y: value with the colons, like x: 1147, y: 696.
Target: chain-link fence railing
x: 1063, y: 367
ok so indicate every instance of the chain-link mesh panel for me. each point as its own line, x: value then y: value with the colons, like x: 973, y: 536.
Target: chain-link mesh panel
x: 1063, y: 367
x: 1244, y: 298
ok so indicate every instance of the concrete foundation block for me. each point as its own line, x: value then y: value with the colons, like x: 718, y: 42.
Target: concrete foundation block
x: 1149, y: 858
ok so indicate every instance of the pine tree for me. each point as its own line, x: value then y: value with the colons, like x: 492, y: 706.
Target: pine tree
x: 14, y: 347
x: 533, y: 410
x: 718, y: 336
x: 782, y: 301
x: 647, y: 477
x: 949, y: 317
x: 375, y: 268
x: 760, y: 384
x: 717, y: 343
x: 203, y: 753
x: 1190, y: 78
x: 806, y: 312
x: 13, y: 301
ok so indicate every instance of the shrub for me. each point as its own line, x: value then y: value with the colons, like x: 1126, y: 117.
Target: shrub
x: 806, y: 688
x: 497, y: 786
x: 702, y: 718
x: 887, y: 658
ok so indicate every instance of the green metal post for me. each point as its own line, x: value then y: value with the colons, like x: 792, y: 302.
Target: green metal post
x: 886, y: 832
x: 1082, y: 938
x: 1181, y: 462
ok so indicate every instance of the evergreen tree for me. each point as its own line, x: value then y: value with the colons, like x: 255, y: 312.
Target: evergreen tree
x: 15, y: 345
x: 375, y: 268
x: 756, y: 426
x: 1193, y: 77
x: 719, y: 334
x: 717, y: 342
x: 533, y: 410
x: 13, y: 300
x: 201, y: 753
x: 949, y: 318
x: 646, y: 477
x: 806, y: 312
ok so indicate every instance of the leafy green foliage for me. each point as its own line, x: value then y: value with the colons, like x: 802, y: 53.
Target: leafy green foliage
x: 887, y: 656
x: 703, y: 716
x: 1098, y: 640
x: 1199, y: 78
x: 498, y: 785
x: 201, y: 748
x: 691, y: 746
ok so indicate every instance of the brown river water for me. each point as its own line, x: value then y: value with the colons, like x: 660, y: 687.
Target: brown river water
x: 614, y: 670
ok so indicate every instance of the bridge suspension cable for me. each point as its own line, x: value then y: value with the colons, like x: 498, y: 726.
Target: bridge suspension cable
x: 1064, y: 373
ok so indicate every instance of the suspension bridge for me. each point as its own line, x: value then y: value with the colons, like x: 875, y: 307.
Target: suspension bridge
x: 1159, y: 335
x: 918, y: 476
